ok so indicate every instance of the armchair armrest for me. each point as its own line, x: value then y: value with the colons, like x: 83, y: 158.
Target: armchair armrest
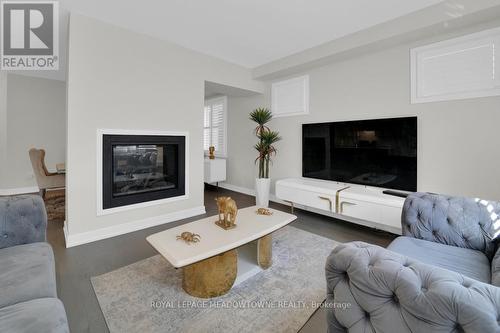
x: 53, y: 181
x: 455, y: 221
x: 23, y: 220
x: 49, y: 173
x: 388, y: 292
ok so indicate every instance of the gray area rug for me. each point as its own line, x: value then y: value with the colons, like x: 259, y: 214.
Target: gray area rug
x: 147, y: 296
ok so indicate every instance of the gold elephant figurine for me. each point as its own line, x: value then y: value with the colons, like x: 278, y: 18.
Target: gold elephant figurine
x: 227, y: 212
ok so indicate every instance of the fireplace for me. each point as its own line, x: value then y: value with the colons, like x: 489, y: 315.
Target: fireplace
x: 141, y: 168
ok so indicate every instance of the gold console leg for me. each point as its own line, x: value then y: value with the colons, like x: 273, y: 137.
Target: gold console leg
x: 211, y: 277
x: 291, y: 205
x: 265, y: 251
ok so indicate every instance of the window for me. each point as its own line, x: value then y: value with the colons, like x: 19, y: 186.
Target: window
x: 290, y: 97
x: 214, y: 126
x: 459, y: 68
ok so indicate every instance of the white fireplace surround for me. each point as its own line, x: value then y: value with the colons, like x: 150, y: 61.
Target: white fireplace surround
x: 101, y: 133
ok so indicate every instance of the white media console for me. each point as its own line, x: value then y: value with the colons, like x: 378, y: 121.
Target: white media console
x: 354, y: 203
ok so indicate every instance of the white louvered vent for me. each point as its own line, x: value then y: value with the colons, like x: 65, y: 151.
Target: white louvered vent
x: 214, y: 127
x: 464, y: 67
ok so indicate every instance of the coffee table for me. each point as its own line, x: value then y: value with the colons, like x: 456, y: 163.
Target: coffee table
x: 222, y: 257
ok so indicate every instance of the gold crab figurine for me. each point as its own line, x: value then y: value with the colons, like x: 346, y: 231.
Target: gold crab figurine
x: 264, y: 211
x: 189, y: 237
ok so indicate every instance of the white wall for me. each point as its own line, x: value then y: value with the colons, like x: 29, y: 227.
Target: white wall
x: 35, y: 116
x: 458, y: 140
x: 124, y: 80
x: 3, y: 125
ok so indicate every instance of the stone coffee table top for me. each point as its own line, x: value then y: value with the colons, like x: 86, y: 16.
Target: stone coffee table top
x: 213, y: 239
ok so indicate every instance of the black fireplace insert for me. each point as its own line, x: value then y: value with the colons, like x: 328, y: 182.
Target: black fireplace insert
x: 140, y: 168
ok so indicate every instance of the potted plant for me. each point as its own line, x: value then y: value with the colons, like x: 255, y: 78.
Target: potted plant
x: 265, y: 148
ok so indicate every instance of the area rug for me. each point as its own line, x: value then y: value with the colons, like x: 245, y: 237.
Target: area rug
x: 147, y: 296
x: 55, y: 205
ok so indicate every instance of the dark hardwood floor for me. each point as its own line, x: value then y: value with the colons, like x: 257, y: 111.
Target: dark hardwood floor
x: 75, y: 266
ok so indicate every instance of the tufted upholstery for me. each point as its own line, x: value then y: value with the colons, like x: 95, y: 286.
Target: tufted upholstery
x: 456, y: 221
x: 388, y: 292
x: 429, y: 280
x: 495, y: 269
x: 28, y: 294
x: 23, y: 220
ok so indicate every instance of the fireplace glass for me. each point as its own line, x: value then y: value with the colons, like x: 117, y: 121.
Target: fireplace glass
x: 140, y: 168
x: 143, y: 168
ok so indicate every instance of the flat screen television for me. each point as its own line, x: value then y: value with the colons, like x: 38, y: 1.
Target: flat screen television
x: 377, y: 152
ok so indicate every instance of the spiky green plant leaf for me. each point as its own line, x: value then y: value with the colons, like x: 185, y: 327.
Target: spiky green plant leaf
x: 267, y: 139
x: 261, y: 116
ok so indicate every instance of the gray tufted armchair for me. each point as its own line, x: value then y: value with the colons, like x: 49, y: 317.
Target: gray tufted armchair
x: 23, y: 220
x: 442, y: 275
x: 28, y: 292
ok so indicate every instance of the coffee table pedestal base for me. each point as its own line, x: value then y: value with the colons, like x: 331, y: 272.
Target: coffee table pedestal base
x: 265, y: 251
x: 211, y: 277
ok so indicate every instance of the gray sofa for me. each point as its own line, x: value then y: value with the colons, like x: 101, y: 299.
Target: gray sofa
x: 442, y: 275
x: 28, y: 298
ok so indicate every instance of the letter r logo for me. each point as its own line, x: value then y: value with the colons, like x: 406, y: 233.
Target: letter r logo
x: 28, y: 28
x: 18, y: 27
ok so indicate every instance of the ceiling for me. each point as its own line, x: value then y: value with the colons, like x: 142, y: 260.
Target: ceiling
x: 213, y: 89
x: 249, y: 33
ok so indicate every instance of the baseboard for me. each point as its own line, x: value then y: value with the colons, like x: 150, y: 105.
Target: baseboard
x: 251, y: 192
x: 108, y: 232
x: 19, y: 190
x: 239, y: 189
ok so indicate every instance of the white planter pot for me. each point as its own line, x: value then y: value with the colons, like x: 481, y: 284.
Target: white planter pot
x: 262, y: 187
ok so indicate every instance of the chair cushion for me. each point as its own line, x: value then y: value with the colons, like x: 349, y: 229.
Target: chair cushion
x: 495, y: 269
x: 27, y: 272
x: 471, y: 263
x: 43, y: 315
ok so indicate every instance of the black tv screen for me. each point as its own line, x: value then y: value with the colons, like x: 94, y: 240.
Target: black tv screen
x: 378, y: 152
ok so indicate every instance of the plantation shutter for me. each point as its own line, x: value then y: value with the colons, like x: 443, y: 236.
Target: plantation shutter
x: 214, y: 130
x: 206, y: 127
